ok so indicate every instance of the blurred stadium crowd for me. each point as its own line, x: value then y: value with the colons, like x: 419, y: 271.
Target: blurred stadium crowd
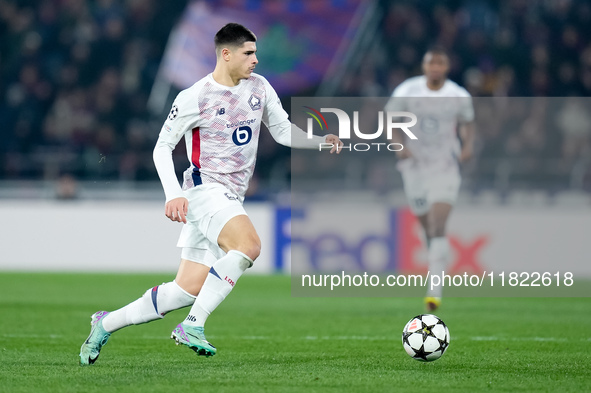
x: 75, y: 77
x: 520, y: 48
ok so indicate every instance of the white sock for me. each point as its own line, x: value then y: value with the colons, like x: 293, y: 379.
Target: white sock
x: 219, y: 283
x: 437, y: 258
x: 152, y: 305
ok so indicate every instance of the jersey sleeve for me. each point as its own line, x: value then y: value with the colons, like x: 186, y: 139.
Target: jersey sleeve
x: 277, y: 121
x: 397, y: 103
x: 466, y: 110
x: 400, y: 90
x: 183, y: 117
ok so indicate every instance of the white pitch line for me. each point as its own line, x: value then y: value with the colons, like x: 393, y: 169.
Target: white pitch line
x: 327, y: 338
x: 53, y: 336
x: 542, y: 339
x: 382, y: 338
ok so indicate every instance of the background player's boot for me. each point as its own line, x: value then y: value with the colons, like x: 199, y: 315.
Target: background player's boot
x: 90, y: 350
x: 194, y: 338
x: 432, y: 303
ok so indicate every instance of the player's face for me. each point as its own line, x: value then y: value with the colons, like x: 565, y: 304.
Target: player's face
x: 435, y: 66
x: 244, y: 60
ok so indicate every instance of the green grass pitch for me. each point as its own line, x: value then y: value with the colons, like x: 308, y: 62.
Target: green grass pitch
x: 269, y: 341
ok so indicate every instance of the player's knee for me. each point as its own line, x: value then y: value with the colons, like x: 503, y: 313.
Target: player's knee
x: 251, y: 249
x: 248, y: 244
x: 191, y: 287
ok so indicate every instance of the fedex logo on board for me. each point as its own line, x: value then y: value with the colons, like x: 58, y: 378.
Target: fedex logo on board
x: 400, y: 241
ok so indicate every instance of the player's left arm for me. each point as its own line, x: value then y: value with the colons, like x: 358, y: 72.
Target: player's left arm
x: 284, y: 132
x: 467, y: 131
x: 467, y: 128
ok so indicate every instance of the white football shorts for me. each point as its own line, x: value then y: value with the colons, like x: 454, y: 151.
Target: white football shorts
x: 211, y: 206
x: 423, y: 189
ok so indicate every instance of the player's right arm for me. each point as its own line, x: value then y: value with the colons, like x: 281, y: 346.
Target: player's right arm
x: 397, y: 104
x: 287, y: 133
x: 182, y: 117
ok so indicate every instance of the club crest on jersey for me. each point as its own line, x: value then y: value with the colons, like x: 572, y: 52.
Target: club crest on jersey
x: 254, y: 102
x: 173, y: 112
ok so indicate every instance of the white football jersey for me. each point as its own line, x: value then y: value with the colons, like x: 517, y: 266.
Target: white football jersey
x: 438, y: 113
x: 221, y: 126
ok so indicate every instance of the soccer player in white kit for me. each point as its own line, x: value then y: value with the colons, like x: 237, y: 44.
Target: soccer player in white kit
x: 430, y: 164
x: 220, y: 118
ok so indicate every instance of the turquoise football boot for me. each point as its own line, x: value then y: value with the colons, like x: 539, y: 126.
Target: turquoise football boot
x: 90, y: 350
x: 194, y: 338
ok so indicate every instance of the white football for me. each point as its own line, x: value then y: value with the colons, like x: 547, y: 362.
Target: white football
x: 425, y: 337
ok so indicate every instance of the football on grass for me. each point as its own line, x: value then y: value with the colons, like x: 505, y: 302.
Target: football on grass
x: 425, y: 337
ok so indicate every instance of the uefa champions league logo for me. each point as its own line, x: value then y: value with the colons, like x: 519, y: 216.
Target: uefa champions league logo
x: 173, y: 112
x: 392, y: 120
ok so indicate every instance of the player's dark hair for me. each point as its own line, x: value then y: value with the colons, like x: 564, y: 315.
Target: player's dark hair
x: 233, y: 34
x: 437, y: 50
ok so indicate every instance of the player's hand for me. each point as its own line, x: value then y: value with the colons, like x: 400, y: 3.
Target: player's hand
x: 337, y: 144
x: 403, y: 154
x: 466, y: 153
x: 176, y: 209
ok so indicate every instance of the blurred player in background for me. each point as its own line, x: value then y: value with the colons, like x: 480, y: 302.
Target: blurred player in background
x: 430, y: 164
x: 220, y: 117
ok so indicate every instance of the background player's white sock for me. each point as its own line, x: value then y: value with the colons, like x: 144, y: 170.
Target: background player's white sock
x: 152, y: 305
x: 437, y: 257
x: 219, y: 283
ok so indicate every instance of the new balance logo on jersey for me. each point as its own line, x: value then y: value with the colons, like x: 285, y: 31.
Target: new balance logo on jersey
x: 220, y: 111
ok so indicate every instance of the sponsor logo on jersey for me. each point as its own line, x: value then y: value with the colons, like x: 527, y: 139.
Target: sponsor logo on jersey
x: 167, y: 128
x: 173, y: 112
x: 240, y: 123
x: 220, y: 111
x: 242, y: 135
x: 254, y: 102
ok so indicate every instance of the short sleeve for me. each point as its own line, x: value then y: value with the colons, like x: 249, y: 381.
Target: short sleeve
x: 397, y: 103
x: 466, y: 109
